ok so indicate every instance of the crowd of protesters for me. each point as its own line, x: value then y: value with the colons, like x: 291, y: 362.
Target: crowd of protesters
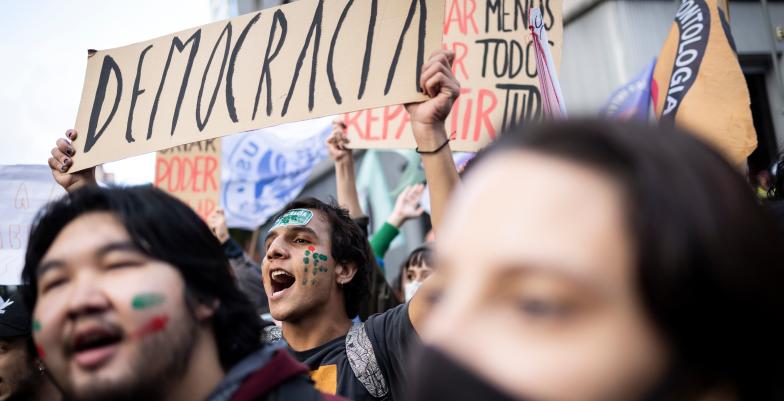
x: 574, y: 261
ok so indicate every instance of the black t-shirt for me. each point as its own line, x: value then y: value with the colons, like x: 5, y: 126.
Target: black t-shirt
x: 390, y: 334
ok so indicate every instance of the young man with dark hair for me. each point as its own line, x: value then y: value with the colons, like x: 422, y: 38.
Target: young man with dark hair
x: 133, y: 299
x: 22, y: 374
x: 316, y: 265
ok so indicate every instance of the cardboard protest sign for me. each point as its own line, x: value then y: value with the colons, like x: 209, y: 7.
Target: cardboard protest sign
x: 24, y: 189
x: 303, y: 60
x: 496, y: 65
x: 191, y: 173
x: 698, y: 82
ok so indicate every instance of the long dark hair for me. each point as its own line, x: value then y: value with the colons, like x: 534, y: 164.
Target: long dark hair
x: 349, y: 246
x: 168, y: 230
x: 708, y: 260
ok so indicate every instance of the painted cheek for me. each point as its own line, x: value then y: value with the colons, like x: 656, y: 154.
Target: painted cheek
x: 147, y: 300
x: 37, y: 329
x: 314, y: 263
x: 40, y: 350
x: 43, y: 337
x: 154, y: 325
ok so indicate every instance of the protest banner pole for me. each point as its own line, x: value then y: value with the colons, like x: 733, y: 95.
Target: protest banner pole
x: 724, y: 5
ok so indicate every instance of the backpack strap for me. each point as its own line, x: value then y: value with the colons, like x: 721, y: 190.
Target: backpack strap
x: 271, y: 334
x: 362, y: 358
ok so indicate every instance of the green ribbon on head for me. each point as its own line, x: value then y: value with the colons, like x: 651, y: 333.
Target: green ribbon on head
x: 294, y: 217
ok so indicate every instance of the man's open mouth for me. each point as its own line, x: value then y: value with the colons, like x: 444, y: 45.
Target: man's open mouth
x: 281, y: 280
x: 93, y: 347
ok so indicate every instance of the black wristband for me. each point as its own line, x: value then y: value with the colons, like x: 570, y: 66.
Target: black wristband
x: 430, y: 152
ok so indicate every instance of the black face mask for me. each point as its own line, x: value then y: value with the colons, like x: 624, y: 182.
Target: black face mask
x: 436, y: 376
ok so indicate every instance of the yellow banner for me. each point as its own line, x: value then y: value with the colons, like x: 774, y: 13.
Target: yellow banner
x: 698, y: 82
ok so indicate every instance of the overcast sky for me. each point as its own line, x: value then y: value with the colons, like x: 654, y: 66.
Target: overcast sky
x: 44, y: 53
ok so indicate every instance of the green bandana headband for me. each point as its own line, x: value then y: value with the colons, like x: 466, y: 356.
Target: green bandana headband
x: 294, y: 217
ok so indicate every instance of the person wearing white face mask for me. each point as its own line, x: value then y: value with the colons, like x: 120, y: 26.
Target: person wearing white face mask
x: 413, y: 272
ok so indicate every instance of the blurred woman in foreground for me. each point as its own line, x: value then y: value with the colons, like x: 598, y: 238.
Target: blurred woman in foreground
x: 593, y: 261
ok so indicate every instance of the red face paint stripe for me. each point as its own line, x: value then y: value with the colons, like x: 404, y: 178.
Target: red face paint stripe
x: 156, y: 324
x: 40, y: 351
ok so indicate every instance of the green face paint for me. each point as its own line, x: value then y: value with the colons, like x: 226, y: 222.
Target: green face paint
x: 314, y: 263
x: 36, y: 326
x: 294, y: 217
x: 147, y: 300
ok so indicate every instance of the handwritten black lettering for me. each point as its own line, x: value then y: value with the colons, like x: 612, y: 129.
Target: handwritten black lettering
x: 135, y: 94
x: 315, y: 26
x: 227, y: 33
x: 180, y: 46
x: 230, y: 74
x: 497, y: 10
x: 420, y: 44
x: 368, y: 48
x: 547, y: 9
x: 508, y: 57
x: 209, y: 146
x: 330, y: 58
x: 109, y: 66
x: 525, y: 104
x: 278, y: 19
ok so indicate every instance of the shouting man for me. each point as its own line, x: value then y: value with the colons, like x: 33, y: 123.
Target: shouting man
x: 316, y: 267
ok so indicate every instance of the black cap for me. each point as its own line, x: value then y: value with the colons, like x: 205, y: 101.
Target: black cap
x: 14, y: 318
